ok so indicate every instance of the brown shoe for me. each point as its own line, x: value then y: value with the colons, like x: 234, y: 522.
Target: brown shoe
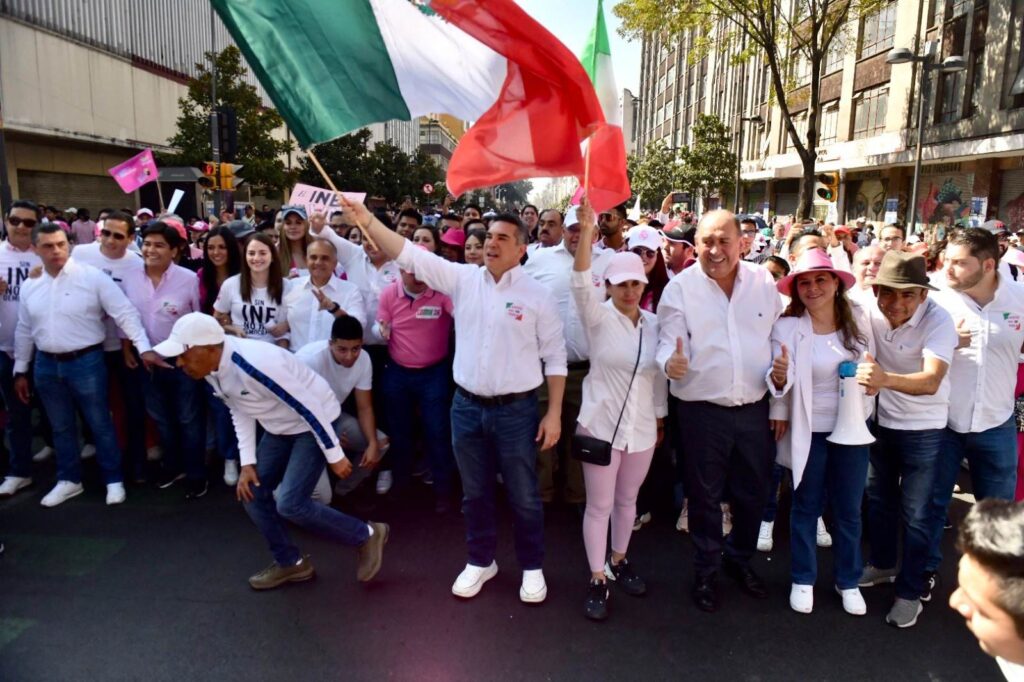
x: 274, y: 576
x: 371, y: 552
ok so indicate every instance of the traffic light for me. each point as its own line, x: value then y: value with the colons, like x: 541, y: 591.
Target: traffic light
x: 209, y: 179
x: 830, y: 189
x: 227, y: 178
x: 227, y: 132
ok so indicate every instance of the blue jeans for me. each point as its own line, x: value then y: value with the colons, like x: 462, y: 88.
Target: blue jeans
x: 224, y: 429
x: 992, y: 455
x: 488, y: 441
x: 428, y: 388
x: 292, y: 465
x: 841, y: 471
x: 771, y: 510
x: 901, y: 478
x: 81, y: 383
x: 175, y: 402
x: 19, y: 422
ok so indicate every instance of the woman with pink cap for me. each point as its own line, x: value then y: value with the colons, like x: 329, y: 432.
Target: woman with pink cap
x: 625, y: 398
x: 818, y: 334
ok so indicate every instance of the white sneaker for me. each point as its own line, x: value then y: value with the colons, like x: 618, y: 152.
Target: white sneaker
x: 823, y: 539
x: 45, y: 453
x: 88, y: 451
x: 13, y: 484
x: 641, y: 520
x: 472, y: 578
x: 534, y: 590
x: 726, y: 519
x: 231, y: 472
x: 683, y: 522
x: 853, y: 602
x: 115, y: 493
x: 764, y: 536
x: 801, y: 598
x: 62, y: 492
x: 384, y: 481
x: 154, y: 454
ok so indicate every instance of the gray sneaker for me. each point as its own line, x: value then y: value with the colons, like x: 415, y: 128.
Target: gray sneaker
x: 876, y: 576
x: 904, y: 612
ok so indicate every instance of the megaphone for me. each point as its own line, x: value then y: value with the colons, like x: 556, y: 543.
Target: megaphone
x: 851, y: 428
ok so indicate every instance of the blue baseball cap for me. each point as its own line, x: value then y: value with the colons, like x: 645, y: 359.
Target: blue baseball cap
x: 294, y: 208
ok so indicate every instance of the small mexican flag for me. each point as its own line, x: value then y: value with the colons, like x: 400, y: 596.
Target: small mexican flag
x: 333, y: 66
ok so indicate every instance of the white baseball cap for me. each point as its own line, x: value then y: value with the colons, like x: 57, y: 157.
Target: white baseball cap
x: 625, y: 266
x: 194, y: 329
x: 143, y: 211
x: 644, y: 236
x: 570, y: 217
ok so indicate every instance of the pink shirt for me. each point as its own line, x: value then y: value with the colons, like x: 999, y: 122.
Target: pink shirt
x: 160, y: 307
x: 420, y: 328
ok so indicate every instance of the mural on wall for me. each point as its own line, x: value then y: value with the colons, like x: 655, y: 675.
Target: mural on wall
x: 943, y: 205
x: 1013, y: 213
x: 869, y: 202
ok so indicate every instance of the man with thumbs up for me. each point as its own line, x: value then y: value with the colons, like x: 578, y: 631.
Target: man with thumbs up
x: 714, y: 344
x: 915, y: 339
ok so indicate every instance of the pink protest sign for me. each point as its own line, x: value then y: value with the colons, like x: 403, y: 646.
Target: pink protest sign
x: 135, y: 172
x: 319, y: 200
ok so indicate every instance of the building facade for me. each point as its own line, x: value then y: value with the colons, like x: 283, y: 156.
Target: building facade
x: 402, y: 134
x: 973, y: 142
x: 437, y: 138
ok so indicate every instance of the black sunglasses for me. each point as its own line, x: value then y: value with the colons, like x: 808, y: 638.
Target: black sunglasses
x: 27, y: 222
x: 115, y: 235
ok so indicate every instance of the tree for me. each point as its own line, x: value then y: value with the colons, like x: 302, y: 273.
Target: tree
x: 653, y: 175
x: 258, y: 150
x: 779, y: 31
x: 710, y: 164
x: 346, y: 160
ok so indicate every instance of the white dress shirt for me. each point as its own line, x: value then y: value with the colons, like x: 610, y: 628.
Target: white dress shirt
x: 307, y: 321
x: 118, y: 270
x: 614, y: 341
x: 726, y: 340
x: 14, y: 268
x: 983, y: 376
x: 505, y: 329
x: 928, y: 333
x: 552, y: 267
x: 65, y: 313
x: 341, y: 379
x: 262, y: 382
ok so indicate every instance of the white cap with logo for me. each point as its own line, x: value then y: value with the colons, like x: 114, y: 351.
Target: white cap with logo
x: 194, y: 329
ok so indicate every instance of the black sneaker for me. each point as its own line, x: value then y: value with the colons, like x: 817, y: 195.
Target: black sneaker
x: 196, y: 489
x: 166, y: 479
x: 596, y: 605
x: 622, y: 574
x: 931, y: 580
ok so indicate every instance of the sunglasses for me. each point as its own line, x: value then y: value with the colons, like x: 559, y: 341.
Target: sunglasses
x: 645, y: 253
x: 27, y: 222
x: 113, y: 235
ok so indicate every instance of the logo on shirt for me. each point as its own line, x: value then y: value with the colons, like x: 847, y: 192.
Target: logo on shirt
x: 1012, y: 321
x: 428, y: 312
x: 514, y: 310
x: 14, y: 277
x: 170, y: 308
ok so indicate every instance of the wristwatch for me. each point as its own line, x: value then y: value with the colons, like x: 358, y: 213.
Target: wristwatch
x: 335, y: 308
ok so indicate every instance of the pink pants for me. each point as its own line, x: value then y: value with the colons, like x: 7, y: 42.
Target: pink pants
x: 611, y: 494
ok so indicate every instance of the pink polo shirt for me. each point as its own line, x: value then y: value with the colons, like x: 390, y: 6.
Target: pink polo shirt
x: 161, y: 306
x: 420, y: 328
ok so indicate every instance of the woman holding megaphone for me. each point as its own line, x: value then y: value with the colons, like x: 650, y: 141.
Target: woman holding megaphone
x: 818, y: 338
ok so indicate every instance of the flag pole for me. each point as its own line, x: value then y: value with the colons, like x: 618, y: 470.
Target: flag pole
x: 159, y: 191
x: 586, y: 171
x: 330, y: 183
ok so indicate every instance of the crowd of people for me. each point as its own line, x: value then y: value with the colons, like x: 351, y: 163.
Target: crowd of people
x: 618, y: 365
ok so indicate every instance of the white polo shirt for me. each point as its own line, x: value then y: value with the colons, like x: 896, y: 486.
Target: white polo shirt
x: 342, y: 380
x: 983, y: 376
x: 928, y: 333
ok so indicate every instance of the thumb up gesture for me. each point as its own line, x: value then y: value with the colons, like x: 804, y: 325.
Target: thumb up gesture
x: 780, y: 368
x: 870, y: 374
x: 677, y: 364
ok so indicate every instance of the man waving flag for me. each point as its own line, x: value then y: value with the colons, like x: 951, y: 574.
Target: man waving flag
x: 333, y: 66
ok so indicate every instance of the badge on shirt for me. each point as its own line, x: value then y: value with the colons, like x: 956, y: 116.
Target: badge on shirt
x: 514, y: 311
x: 595, y: 280
x: 1012, y: 321
x: 170, y: 308
x: 428, y: 312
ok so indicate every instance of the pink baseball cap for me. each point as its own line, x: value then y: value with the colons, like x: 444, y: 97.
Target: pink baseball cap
x: 813, y: 260
x: 178, y: 226
x: 625, y: 266
x: 454, y: 238
x: 200, y: 226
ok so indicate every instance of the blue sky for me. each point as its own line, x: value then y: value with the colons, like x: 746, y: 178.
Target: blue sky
x: 571, y: 20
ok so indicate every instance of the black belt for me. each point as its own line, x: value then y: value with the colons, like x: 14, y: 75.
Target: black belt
x: 495, y: 400
x: 582, y: 364
x: 73, y: 355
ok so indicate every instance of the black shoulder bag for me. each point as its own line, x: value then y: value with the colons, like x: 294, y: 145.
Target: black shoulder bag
x: 594, y: 450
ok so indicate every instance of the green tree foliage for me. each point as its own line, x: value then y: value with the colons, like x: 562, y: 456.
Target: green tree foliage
x: 258, y: 150
x: 653, y: 175
x: 710, y: 164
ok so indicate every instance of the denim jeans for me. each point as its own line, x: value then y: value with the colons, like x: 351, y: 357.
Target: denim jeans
x: 175, y: 402
x: 81, y: 383
x: 901, y: 478
x: 771, y: 510
x: 19, y: 422
x: 355, y: 448
x: 488, y: 441
x: 226, y: 440
x: 840, y: 471
x: 404, y: 390
x: 992, y: 456
x: 292, y: 465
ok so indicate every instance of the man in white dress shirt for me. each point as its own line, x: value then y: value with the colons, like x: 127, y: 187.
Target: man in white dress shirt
x: 715, y: 322
x: 315, y: 301
x: 510, y: 337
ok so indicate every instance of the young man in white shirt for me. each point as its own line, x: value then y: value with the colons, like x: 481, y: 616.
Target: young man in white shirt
x: 262, y: 382
x: 315, y: 301
x: 988, y: 310
x: 510, y: 340
x: 915, y: 339
x: 715, y: 322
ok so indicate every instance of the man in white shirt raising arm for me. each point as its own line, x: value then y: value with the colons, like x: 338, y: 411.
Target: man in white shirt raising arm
x: 509, y: 335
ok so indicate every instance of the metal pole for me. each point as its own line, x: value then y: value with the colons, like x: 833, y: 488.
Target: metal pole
x: 739, y: 165
x: 922, y: 95
x: 214, y: 117
x: 5, y: 185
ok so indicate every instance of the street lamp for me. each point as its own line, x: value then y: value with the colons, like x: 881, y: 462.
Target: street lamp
x: 739, y: 156
x: 951, y: 64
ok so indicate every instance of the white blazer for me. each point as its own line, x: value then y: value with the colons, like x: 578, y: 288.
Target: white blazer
x: 795, y: 401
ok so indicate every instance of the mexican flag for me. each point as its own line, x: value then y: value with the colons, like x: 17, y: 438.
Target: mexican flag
x: 333, y: 66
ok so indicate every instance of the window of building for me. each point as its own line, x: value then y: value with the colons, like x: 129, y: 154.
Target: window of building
x: 869, y: 110
x: 800, y: 123
x: 801, y: 71
x: 951, y: 88
x: 835, y: 56
x: 877, y: 31
x: 955, y: 8
x: 829, y: 125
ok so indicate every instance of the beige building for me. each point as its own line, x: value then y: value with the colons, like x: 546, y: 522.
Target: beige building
x: 973, y: 144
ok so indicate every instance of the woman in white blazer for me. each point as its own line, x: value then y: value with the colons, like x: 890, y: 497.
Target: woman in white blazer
x: 819, y: 330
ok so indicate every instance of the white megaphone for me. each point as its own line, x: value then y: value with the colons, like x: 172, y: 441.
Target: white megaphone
x: 851, y: 427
